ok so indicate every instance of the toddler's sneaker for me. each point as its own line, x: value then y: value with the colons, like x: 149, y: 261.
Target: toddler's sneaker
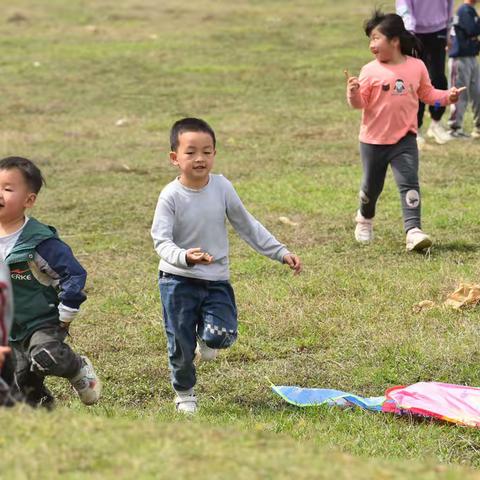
x: 417, y: 240
x: 364, y: 229
x: 438, y: 132
x: 459, y: 134
x: 186, y: 402
x: 420, y: 140
x: 86, y: 383
x: 203, y: 353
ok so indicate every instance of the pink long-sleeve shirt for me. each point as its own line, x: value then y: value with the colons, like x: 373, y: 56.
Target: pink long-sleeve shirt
x: 388, y: 96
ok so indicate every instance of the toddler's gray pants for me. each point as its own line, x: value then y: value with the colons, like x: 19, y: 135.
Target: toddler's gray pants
x: 403, y: 157
x: 464, y: 72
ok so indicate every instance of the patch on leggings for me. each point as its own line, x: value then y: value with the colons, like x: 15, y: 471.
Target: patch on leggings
x: 363, y: 197
x: 412, y: 198
x: 43, y: 360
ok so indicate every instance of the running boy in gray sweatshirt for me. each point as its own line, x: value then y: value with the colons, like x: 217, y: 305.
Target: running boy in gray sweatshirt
x: 190, y: 235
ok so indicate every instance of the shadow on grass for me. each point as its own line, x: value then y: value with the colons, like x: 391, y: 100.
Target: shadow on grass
x: 420, y: 420
x: 457, y: 246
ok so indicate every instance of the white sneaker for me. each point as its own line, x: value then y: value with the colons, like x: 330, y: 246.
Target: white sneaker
x: 420, y: 140
x: 186, y: 403
x: 86, y: 383
x: 459, y: 134
x: 364, y: 229
x: 475, y: 133
x: 438, y: 132
x: 203, y: 353
x: 417, y: 240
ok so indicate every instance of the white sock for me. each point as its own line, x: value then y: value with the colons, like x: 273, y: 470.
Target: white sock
x: 185, y: 393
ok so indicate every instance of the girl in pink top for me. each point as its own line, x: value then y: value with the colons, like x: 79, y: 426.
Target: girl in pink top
x: 388, y: 90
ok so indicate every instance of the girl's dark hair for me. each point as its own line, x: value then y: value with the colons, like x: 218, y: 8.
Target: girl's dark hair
x: 391, y: 25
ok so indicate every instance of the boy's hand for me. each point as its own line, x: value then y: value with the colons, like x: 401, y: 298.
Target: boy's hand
x: 352, y: 83
x: 196, y: 255
x: 294, y: 262
x: 4, y: 351
x: 455, y: 94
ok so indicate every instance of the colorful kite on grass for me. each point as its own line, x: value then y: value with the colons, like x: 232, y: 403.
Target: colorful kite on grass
x: 452, y: 403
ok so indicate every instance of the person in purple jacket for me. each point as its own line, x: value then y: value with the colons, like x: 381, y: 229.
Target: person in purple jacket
x: 430, y: 21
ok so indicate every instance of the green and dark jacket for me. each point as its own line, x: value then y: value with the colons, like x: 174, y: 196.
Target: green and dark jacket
x: 44, y: 273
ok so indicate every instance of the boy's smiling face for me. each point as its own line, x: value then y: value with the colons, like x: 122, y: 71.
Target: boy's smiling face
x: 15, y: 195
x: 194, y: 157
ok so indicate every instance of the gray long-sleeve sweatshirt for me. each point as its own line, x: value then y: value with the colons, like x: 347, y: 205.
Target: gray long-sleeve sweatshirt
x: 186, y: 218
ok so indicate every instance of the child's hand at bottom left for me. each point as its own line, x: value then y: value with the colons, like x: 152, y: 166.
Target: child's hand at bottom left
x: 4, y: 351
x: 294, y: 262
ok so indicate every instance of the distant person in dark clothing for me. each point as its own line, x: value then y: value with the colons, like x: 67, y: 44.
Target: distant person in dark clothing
x: 463, y: 68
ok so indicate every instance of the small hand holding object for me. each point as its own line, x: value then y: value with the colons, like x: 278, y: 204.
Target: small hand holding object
x: 197, y: 255
x: 4, y: 351
x: 455, y: 93
x: 352, y: 82
x: 294, y: 262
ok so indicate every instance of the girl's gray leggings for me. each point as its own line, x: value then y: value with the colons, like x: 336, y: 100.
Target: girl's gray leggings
x: 403, y: 157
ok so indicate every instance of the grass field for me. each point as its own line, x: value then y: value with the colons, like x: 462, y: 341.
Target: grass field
x: 268, y: 76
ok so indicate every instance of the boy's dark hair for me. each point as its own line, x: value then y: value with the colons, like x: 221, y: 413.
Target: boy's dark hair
x: 189, y: 125
x: 31, y: 173
x: 391, y: 25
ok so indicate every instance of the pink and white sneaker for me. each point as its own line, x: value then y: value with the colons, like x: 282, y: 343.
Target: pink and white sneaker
x: 417, y: 240
x: 364, y: 229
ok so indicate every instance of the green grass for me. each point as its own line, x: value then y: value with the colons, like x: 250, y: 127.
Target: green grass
x: 268, y: 75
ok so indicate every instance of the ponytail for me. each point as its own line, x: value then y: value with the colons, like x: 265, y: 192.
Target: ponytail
x: 410, y: 44
x: 391, y: 25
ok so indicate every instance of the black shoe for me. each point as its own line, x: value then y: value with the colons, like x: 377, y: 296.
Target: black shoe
x: 44, y: 399
x: 6, y: 399
x: 41, y: 398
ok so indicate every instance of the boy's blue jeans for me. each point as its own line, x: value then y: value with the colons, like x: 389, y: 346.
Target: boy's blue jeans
x: 191, y: 308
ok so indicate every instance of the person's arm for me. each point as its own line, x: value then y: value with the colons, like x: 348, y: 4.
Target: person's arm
x: 250, y: 229
x: 430, y: 95
x: 405, y: 9
x: 55, y: 259
x: 358, y: 91
x: 4, y: 351
x: 162, y: 234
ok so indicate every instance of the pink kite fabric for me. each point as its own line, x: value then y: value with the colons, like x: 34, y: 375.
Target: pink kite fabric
x: 452, y: 403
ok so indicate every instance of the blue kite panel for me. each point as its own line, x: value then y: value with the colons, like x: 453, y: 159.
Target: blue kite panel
x: 307, y: 397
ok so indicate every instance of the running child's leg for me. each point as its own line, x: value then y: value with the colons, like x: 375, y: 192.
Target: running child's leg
x: 27, y: 386
x: 460, y: 76
x: 218, y: 328
x: 375, y: 163
x: 404, y: 162
x: 181, y: 299
x: 474, y: 94
x: 48, y: 354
